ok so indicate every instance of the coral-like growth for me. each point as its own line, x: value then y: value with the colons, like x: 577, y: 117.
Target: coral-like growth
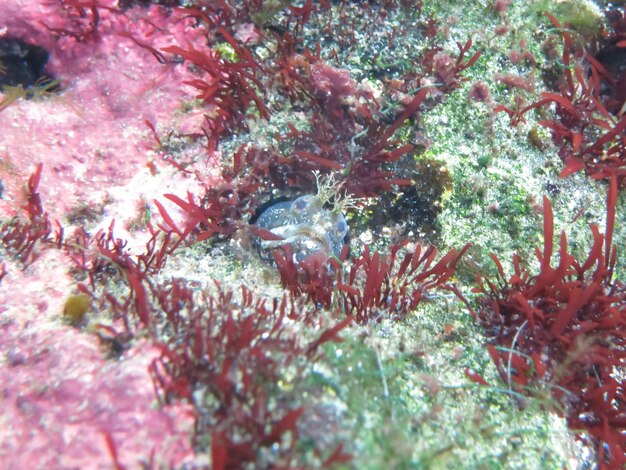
x: 227, y: 87
x: 373, y: 285
x: 564, y: 329
x: 20, y: 238
x: 232, y: 350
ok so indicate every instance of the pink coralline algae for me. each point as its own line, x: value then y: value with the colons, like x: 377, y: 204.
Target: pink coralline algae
x: 94, y: 135
x: 332, y: 85
x: 60, y: 397
x: 64, y: 405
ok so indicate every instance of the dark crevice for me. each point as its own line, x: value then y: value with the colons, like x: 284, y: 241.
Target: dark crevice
x: 22, y: 64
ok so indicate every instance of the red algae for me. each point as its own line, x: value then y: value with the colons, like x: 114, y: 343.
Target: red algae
x: 563, y: 328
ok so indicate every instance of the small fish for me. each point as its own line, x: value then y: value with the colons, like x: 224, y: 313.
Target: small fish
x: 304, y: 225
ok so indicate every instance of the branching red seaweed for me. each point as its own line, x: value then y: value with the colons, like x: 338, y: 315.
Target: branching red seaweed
x: 589, y: 137
x: 21, y: 238
x: 233, y: 349
x: 373, y: 285
x: 564, y: 328
x: 222, y: 350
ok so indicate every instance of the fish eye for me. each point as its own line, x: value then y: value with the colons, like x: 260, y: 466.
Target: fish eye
x: 300, y: 205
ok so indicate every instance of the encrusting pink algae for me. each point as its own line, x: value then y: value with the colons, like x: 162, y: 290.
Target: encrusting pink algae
x: 95, y: 137
x: 59, y: 395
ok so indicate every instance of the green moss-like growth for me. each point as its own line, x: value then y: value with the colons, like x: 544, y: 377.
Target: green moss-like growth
x: 582, y: 16
x: 227, y: 52
x: 408, y: 404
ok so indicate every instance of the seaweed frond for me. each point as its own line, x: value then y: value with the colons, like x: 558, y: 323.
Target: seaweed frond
x: 44, y: 87
x: 329, y: 190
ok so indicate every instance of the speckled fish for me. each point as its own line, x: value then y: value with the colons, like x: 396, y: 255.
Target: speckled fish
x: 305, y: 226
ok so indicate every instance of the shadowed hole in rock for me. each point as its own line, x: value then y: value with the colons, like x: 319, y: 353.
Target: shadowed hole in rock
x: 23, y: 65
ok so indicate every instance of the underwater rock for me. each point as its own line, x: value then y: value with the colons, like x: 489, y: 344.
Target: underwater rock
x: 304, y: 225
